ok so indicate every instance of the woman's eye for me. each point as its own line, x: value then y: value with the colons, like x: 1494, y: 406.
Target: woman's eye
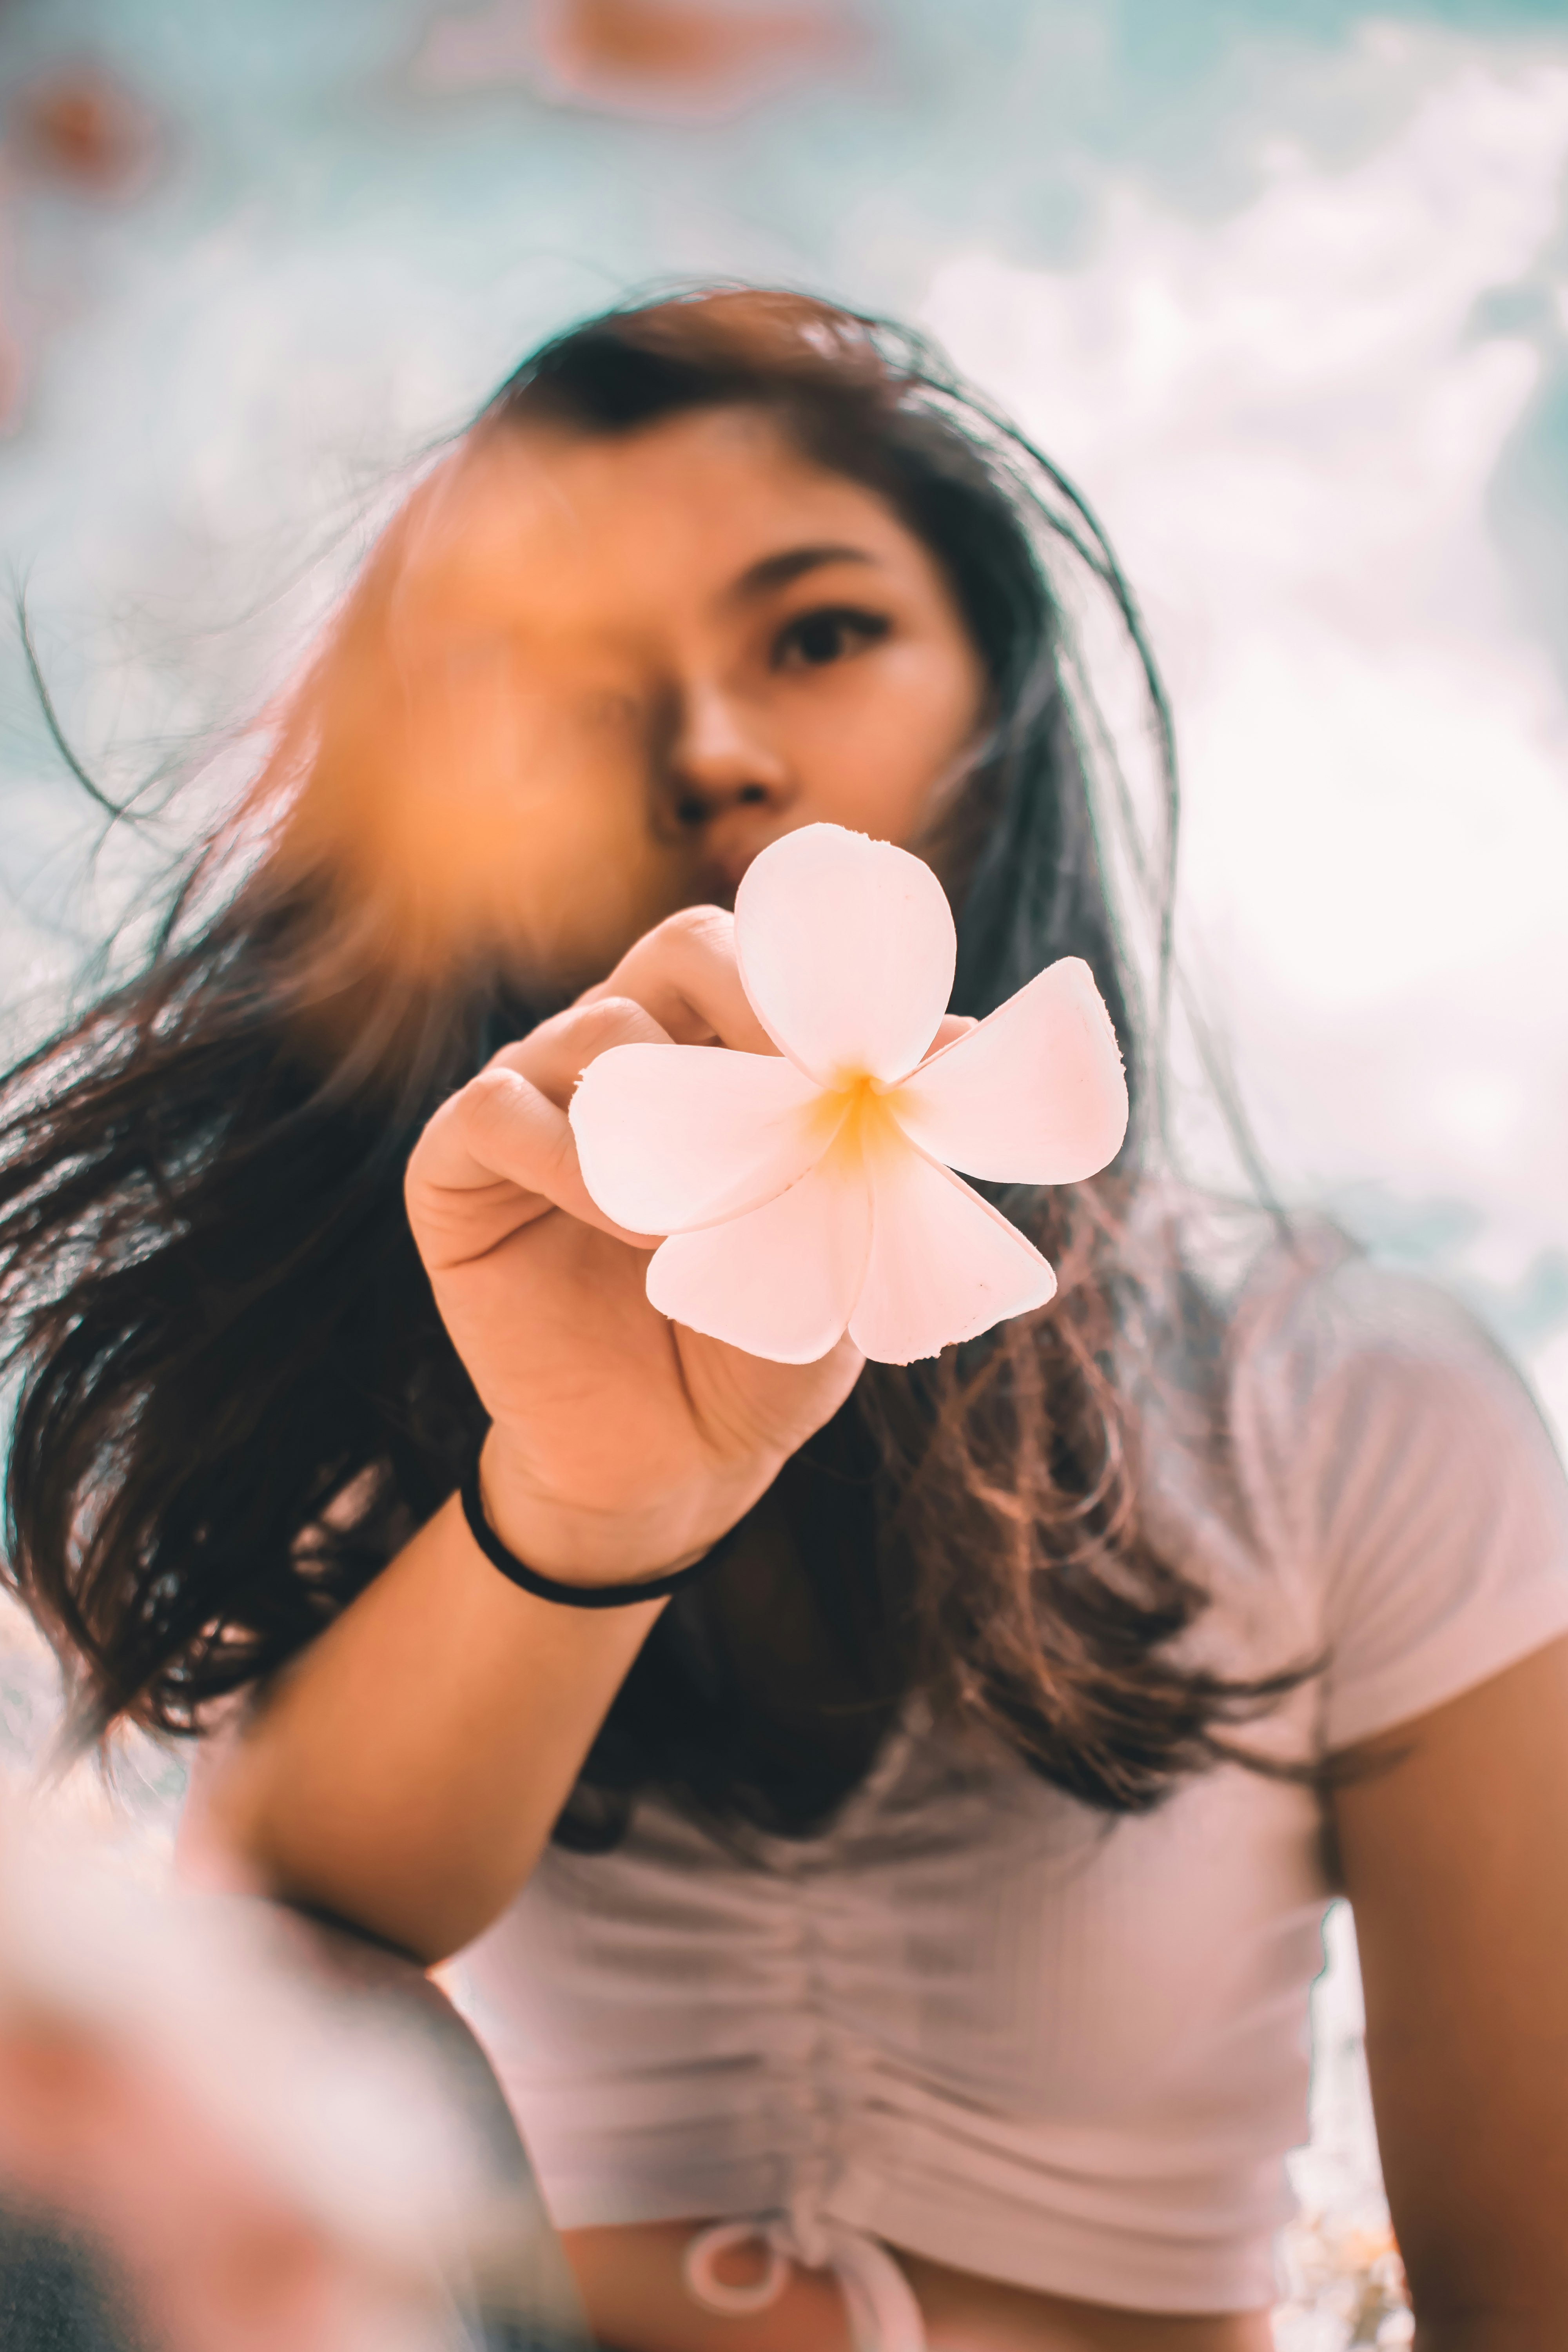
x: 817, y: 638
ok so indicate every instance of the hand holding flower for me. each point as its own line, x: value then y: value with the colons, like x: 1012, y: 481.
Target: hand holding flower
x: 814, y: 1193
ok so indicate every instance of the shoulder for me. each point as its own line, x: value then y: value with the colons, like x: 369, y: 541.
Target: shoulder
x: 1369, y: 1392
x: 1316, y: 1320
x: 1399, y: 1458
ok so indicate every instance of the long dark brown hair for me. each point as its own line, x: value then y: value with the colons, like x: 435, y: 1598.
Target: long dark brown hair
x: 237, y: 1400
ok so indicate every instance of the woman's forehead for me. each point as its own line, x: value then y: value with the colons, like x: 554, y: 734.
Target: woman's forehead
x: 566, y: 526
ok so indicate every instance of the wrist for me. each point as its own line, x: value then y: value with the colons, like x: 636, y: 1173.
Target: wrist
x: 577, y: 1543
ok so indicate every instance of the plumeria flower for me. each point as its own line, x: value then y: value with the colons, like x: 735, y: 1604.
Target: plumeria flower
x: 814, y: 1193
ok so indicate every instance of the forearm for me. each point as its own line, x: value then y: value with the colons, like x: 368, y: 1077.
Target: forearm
x: 405, y: 1773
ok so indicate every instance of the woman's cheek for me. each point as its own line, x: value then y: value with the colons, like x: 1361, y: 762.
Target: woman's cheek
x: 877, y: 763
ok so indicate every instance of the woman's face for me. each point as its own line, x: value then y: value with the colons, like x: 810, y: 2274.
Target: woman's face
x: 623, y: 665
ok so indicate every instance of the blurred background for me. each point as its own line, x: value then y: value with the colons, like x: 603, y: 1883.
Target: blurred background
x: 1284, y: 286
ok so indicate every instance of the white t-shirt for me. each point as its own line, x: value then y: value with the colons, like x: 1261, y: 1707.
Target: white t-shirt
x: 977, y: 2019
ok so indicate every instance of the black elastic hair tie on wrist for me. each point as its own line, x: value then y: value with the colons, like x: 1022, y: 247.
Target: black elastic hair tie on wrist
x: 572, y: 1596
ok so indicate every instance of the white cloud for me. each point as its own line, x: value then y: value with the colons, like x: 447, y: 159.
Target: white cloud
x: 1288, y: 426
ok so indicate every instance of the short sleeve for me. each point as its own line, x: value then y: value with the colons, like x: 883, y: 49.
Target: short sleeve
x: 1430, y: 1504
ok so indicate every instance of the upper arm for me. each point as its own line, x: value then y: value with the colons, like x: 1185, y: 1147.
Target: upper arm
x: 1455, y: 1862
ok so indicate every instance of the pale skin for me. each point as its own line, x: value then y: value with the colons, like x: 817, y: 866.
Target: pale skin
x: 773, y: 648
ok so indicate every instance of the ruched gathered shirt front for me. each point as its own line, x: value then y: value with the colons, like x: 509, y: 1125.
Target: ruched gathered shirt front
x: 975, y: 2018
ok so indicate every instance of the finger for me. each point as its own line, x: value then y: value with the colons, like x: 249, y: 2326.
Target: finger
x: 495, y: 1158
x: 553, y: 1056
x: 685, y: 974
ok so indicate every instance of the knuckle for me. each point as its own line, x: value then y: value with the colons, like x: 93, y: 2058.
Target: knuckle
x: 693, y: 934
x: 604, y: 1013
x: 493, y: 1085
x: 704, y: 927
x: 489, y: 1102
x: 609, y: 1021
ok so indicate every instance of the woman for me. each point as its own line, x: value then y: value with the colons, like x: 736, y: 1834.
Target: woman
x: 902, y: 1889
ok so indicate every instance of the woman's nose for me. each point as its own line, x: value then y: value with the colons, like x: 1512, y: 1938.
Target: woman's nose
x: 721, y: 757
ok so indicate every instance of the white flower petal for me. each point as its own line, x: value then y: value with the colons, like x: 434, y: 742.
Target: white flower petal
x: 847, y: 950
x: 781, y: 1282
x: 943, y: 1265
x: 1035, y: 1095
x: 674, y: 1137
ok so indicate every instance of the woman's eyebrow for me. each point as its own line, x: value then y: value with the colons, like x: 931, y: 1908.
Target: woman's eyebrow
x: 789, y: 564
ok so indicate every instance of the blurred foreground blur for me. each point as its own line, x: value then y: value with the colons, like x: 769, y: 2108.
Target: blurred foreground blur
x: 226, y: 2128
x: 682, y: 60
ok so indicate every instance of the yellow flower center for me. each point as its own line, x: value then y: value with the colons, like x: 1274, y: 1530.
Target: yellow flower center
x: 857, y: 1117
